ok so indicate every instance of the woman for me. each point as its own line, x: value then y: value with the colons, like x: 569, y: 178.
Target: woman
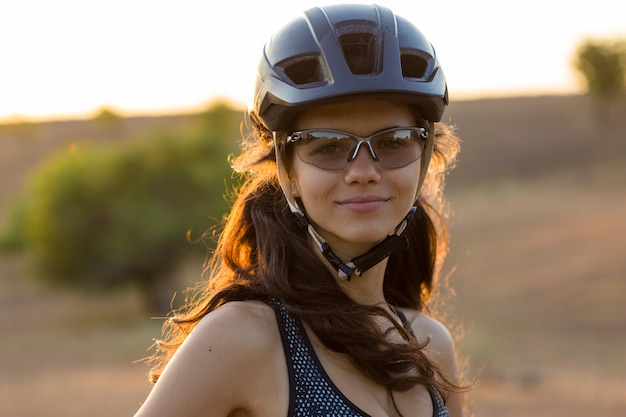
x: 316, y: 298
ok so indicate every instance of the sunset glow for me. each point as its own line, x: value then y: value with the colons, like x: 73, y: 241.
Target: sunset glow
x: 68, y: 58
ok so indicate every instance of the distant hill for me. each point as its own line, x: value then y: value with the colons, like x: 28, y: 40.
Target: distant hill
x: 502, y: 138
x: 531, y: 136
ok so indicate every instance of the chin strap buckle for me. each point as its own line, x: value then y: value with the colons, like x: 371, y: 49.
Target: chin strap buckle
x: 379, y: 252
x: 392, y: 243
x: 362, y: 263
x: 344, y: 271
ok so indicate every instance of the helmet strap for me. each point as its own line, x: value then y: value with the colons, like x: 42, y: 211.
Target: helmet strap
x: 358, y: 265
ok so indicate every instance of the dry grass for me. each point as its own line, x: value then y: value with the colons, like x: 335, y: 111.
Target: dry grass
x: 541, y: 290
x: 63, y: 354
x: 538, y: 244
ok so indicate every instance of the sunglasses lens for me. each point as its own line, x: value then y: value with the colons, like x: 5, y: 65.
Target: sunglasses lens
x: 397, y: 148
x: 392, y: 148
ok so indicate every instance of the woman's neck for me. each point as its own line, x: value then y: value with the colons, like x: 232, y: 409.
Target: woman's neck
x: 366, y: 289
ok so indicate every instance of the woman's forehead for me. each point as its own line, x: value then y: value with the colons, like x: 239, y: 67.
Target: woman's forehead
x: 361, y: 117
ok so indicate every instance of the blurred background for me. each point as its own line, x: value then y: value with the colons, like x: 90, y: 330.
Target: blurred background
x: 116, y: 122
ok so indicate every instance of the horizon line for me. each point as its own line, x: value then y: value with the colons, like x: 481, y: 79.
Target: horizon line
x: 17, y: 118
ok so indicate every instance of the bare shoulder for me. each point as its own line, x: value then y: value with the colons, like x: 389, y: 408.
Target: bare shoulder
x: 252, y: 322
x: 440, y: 348
x: 441, y: 351
x: 222, y: 365
x: 425, y: 326
x: 236, y: 336
x: 237, y: 331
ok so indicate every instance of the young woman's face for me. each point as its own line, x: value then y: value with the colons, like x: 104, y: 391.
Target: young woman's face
x: 358, y: 206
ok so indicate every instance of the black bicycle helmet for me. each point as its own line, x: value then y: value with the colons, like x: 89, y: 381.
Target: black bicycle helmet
x: 305, y: 63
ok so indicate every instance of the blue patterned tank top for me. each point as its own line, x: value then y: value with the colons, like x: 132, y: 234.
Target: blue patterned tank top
x: 312, y: 392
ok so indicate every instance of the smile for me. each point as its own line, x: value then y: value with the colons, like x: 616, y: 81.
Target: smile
x: 363, y: 204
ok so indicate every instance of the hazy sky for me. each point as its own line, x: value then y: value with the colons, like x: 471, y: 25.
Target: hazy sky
x: 63, y: 58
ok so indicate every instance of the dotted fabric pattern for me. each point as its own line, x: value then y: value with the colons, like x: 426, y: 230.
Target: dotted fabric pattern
x: 440, y: 408
x: 313, y: 394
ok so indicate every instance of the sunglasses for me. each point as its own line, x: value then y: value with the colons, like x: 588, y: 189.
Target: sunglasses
x: 334, y: 150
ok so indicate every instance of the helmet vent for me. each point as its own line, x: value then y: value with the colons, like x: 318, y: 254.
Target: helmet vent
x: 360, y: 52
x: 413, y: 66
x: 304, y: 70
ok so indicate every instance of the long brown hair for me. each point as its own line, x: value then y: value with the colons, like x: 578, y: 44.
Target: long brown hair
x: 263, y: 251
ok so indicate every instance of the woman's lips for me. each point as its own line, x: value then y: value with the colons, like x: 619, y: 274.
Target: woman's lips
x: 363, y: 204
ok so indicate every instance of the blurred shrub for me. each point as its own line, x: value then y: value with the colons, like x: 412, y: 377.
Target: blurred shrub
x: 602, y: 64
x: 12, y: 234
x: 105, y: 217
x: 106, y: 114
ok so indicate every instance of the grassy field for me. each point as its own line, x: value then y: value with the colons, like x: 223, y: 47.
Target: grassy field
x: 540, y: 288
x: 538, y: 265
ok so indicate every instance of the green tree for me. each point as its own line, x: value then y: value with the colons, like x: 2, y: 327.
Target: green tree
x: 105, y: 217
x: 106, y: 114
x: 602, y: 63
x: 602, y: 66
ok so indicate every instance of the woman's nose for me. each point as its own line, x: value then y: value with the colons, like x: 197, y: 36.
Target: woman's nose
x: 363, y: 168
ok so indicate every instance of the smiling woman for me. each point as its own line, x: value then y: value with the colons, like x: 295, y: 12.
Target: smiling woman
x: 316, y: 298
x: 357, y: 204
